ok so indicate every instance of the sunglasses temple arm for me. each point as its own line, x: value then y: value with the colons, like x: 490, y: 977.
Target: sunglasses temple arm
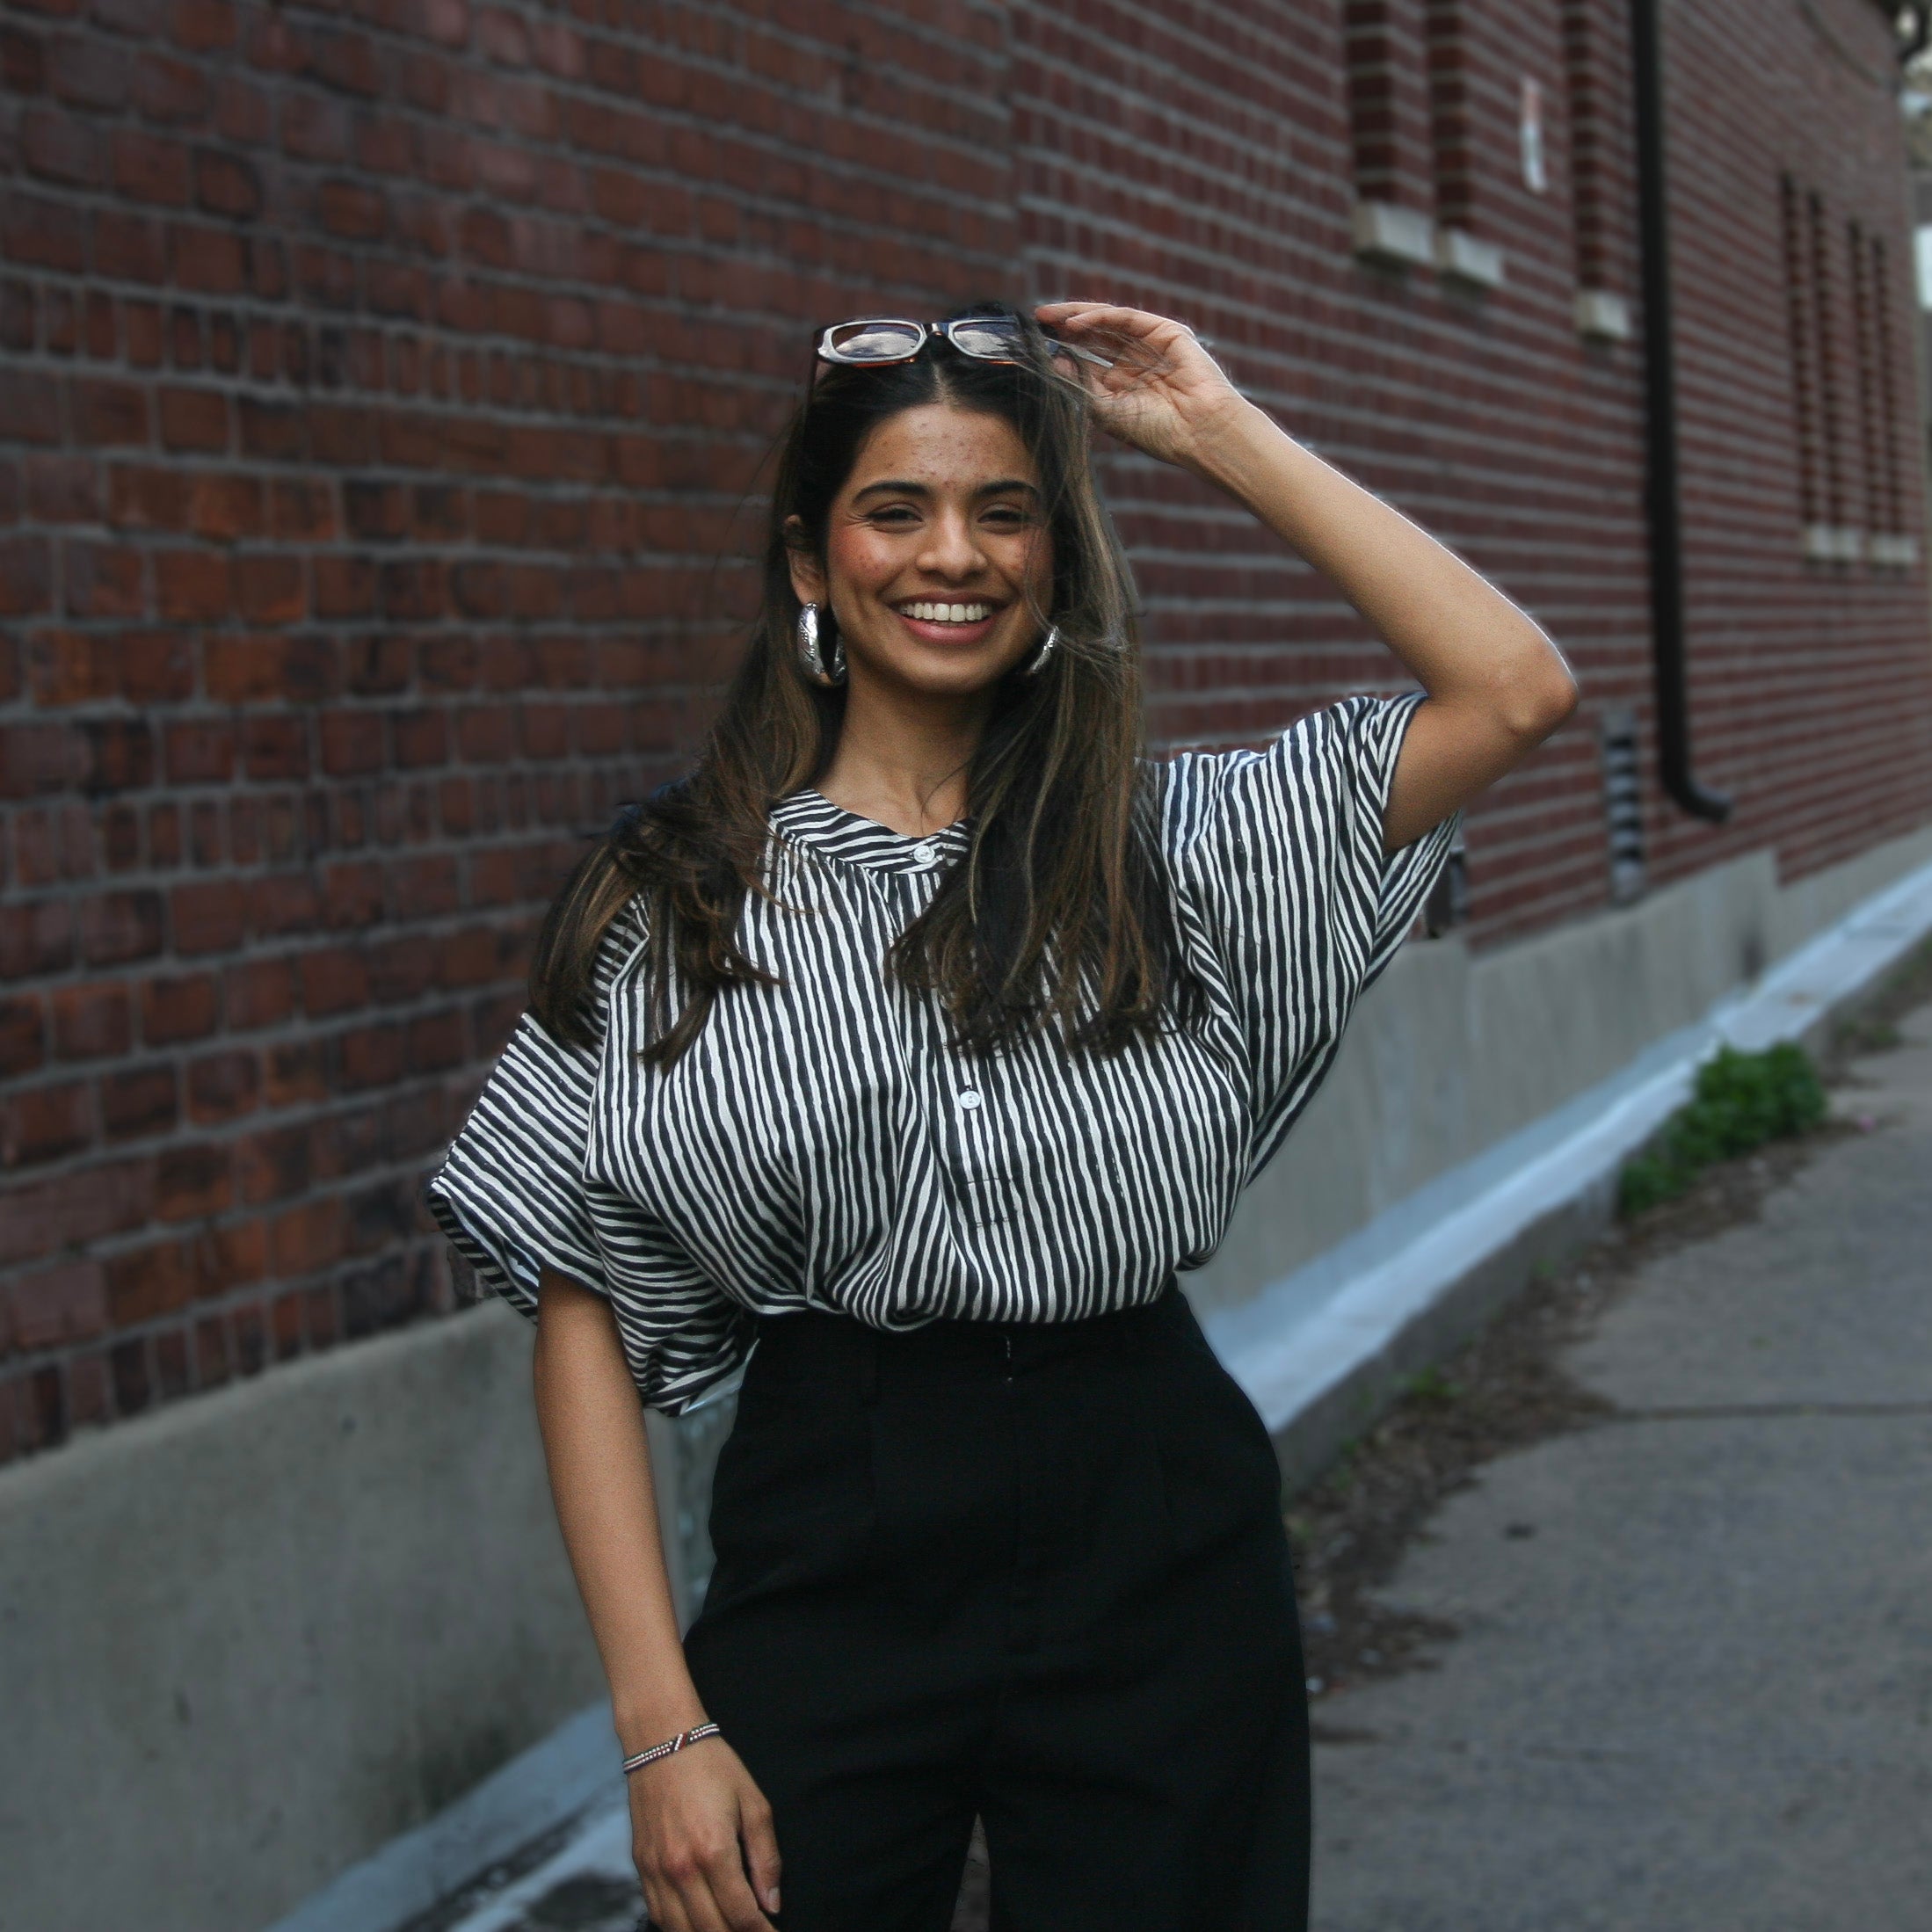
x: 1083, y: 355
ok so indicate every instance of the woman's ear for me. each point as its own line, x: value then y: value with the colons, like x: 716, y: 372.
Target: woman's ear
x: 808, y: 574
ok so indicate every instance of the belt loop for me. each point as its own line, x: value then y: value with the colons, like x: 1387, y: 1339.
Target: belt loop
x: 869, y: 1366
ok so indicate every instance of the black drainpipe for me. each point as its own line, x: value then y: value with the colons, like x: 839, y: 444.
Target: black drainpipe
x: 1662, y: 502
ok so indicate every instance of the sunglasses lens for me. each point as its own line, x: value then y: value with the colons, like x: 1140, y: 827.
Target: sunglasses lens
x: 999, y: 337
x: 875, y: 341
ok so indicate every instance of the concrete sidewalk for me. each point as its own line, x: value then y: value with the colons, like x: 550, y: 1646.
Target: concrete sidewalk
x: 1693, y: 1686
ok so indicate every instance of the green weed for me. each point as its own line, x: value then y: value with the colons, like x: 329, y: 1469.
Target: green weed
x: 1741, y: 1100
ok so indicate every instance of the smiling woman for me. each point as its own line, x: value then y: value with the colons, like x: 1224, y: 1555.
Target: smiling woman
x: 904, y: 1054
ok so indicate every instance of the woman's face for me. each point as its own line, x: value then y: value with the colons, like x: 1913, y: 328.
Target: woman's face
x: 937, y: 554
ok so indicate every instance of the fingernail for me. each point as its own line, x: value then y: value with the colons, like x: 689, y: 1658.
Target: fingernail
x: 771, y: 1900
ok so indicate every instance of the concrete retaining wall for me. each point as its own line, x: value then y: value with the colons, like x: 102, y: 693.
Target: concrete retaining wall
x: 244, y: 1642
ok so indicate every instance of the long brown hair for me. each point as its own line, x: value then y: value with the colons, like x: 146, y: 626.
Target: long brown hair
x: 1059, y: 912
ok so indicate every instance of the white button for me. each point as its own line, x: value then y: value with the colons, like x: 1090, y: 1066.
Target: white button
x: 968, y: 1099
x: 924, y: 853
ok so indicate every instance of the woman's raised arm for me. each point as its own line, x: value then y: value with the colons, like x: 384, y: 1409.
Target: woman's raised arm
x: 1497, y: 686
x: 692, y: 1813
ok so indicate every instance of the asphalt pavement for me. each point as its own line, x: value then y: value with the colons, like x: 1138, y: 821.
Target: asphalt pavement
x: 1692, y: 1686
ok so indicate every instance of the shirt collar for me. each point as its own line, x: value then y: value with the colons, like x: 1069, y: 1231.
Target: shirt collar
x: 811, y: 819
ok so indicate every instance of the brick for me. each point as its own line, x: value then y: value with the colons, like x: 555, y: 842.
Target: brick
x: 259, y: 992
x: 210, y: 916
x: 352, y: 211
x: 118, y: 928
x: 157, y: 667
x: 105, y: 413
x: 192, y: 586
x: 57, y: 148
x: 169, y: 90
x: 63, y: 489
x: 38, y: 231
x: 181, y: 1007
x: 68, y: 667
x: 91, y: 1022
x: 26, y: 577
x: 85, y: 72
x: 192, y: 1182
x: 225, y: 508
x: 275, y: 748
x: 36, y: 938
x: 351, y: 742
x: 43, y: 1123
x: 103, y: 580
x: 201, y: 752
x: 204, y: 26
x: 30, y: 408
x: 23, y: 1037
x: 145, y: 168
x: 139, y: 1101
x: 195, y: 419
x: 334, y: 980
x: 119, y: 756
x: 131, y: 248
x: 273, y: 1165
x: 270, y: 589
x: 159, y: 1279
x: 223, y: 1086
x: 57, y: 1307
x: 306, y: 1239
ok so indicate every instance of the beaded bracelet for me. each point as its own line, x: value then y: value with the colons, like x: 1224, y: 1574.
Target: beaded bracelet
x: 669, y: 1746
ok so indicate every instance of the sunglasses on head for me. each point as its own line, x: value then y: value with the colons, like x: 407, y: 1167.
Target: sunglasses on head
x: 873, y: 341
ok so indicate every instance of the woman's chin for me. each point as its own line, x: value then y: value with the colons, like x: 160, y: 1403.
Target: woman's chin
x: 946, y: 673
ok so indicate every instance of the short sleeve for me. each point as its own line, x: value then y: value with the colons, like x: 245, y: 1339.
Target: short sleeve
x: 1279, y: 857
x: 514, y: 1196
x: 509, y: 1194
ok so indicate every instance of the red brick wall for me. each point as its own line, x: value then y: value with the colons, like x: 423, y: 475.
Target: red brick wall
x: 382, y: 384
x: 1203, y: 158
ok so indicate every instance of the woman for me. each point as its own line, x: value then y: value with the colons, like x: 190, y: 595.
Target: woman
x: 920, y: 1036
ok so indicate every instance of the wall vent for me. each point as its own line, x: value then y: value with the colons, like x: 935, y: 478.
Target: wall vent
x: 1623, y: 805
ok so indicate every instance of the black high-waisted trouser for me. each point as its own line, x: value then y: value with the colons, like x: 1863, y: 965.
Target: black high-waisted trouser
x: 1033, y: 1572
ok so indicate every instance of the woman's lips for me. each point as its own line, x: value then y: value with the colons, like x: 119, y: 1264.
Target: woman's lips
x: 955, y: 637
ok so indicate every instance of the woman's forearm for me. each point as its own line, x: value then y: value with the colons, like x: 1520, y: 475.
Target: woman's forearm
x: 1461, y: 638
x: 600, y: 1465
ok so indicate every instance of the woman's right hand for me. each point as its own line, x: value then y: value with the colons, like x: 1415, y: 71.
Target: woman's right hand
x: 698, y: 1824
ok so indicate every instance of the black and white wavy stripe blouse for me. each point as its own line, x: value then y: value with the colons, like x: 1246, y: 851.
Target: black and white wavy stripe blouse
x: 823, y: 1145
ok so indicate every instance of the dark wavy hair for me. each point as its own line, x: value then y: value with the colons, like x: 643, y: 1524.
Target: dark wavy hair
x: 1058, y: 914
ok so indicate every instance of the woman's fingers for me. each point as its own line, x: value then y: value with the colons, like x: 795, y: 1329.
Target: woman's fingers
x: 732, y: 1894
x: 760, y: 1845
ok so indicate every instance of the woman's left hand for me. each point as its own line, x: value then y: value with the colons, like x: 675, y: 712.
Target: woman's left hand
x: 1165, y: 394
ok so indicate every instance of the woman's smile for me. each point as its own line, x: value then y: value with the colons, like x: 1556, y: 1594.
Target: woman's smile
x: 950, y: 621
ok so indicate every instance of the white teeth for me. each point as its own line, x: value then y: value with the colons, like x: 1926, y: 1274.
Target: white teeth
x: 948, y: 613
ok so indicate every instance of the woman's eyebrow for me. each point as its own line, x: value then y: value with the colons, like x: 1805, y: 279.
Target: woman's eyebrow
x: 905, y: 488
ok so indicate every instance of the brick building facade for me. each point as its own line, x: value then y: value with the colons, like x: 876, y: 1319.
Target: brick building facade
x: 384, y: 394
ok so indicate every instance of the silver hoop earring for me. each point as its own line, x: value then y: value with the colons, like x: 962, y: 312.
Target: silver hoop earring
x: 1036, y: 662
x: 812, y: 657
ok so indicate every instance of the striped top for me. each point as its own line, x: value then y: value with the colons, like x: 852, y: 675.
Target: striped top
x: 824, y: 1144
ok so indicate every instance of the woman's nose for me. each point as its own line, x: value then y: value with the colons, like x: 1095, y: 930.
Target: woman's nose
x: 952, y: 551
